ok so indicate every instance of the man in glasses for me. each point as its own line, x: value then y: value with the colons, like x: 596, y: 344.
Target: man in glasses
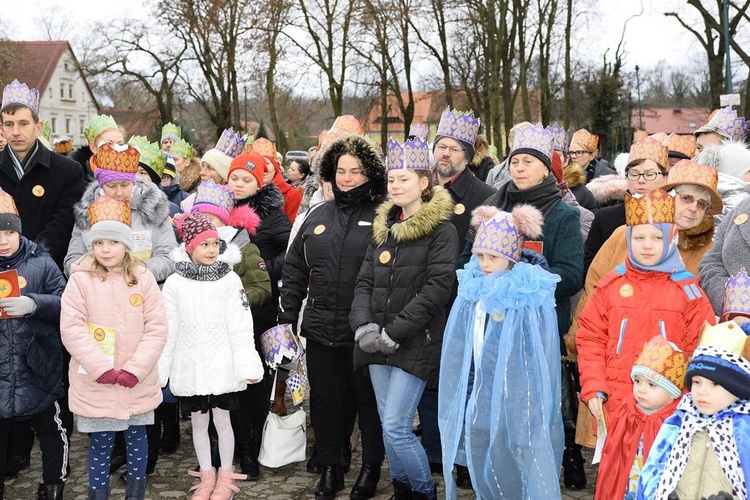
x: 583, y: 149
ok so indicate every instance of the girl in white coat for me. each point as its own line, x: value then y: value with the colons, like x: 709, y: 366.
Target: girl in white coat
x: 210, y: 354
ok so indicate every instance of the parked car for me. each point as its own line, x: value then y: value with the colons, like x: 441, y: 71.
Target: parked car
x: 295, y: 155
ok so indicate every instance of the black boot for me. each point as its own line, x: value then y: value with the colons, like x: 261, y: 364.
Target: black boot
x: 425, y: 496
x: 135, y: 489
x: 345, y: 458
x: 50, y: 492
x: 574, y: 475
x: 248, y: 462
x: 401, y: 491
x: 313, y: 465
x: 463, y: 478
x: 331, y: 482
x: 170, y: 419
x: 367, y: 482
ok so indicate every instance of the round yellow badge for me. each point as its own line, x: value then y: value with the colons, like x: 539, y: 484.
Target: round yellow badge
x: 99, y: 334
x: 21, y: 282
x: 38, y: 191
x: 626, y: 291
x: 740, y: 219
x: 385, y: 257
x: 6, y: 288
x: 459, y: 209
x: 136, y: 300
x: 319, y: 229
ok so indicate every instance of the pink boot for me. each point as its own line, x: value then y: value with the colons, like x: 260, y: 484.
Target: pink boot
x: 202, y: 490
x: 225, y: 487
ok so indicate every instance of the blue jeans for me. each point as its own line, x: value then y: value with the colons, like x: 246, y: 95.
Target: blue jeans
x: 398, y: 394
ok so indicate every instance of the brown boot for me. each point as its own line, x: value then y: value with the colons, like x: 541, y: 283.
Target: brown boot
x: 279, y: 408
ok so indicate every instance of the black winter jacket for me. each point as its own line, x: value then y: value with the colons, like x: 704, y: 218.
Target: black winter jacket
x: 405, y: 283
x: 31, y: 353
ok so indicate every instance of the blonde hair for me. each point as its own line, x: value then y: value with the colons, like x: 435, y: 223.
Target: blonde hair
x: 129, y: 265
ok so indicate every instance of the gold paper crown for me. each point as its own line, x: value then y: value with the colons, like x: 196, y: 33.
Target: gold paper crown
x: 106, y: 208
x: 660, y: 358
x: 649, y: 149
x: 727, y: 335
x: 655, y: 207
x: 689, y: 172
x: 661, y: 137
x: 684, y: 144
x: 7, y: 204
x: 118, y: 161
x: 639, y: 134
x: 343, y: 126
x: 263, y: 147
x: 586, y: 139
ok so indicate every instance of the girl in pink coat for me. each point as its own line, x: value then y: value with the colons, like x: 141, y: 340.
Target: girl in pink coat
x: 114, y: 325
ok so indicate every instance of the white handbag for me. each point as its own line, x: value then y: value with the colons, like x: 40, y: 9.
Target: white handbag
x: 284, y: 438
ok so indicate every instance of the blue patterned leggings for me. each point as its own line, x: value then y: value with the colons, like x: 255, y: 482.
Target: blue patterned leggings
x: 100, y: 452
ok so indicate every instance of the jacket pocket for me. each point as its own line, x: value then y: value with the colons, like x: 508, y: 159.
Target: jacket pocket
x: 622, y: 334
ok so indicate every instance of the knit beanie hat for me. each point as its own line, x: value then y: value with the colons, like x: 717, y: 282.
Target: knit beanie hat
x: 230, y: 145
x: 110, y: 219
x: 214, y: 199
x: 250, y: 162
x: 9, y: 219
x: 194, y: 229
x: 459, y: 126
x: 663, y: 364
x: 169, y: 168
x: 722, y: 358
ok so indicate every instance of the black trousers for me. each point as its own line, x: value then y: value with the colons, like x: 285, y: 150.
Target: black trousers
x: 330, y: 373
x: 53, y: 441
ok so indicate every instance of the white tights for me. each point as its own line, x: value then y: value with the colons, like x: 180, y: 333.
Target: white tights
x: 202, y: 443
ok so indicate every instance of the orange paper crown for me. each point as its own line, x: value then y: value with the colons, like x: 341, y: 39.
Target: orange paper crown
x: 106, y: 208
x: 684, y: 144
x: 118, y: 161
x: 343, y: 126
x: 586, y: 139
x: 649, y: 149
x: 655, y: 207
x: 661, y: 360
x: 639, y: 134
x: 689, y: 172
x: 7, y: 204
x: 263, y: 147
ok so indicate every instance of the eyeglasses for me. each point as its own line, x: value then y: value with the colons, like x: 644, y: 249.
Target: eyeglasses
x: 634, y: 175
x: 442, y: 148
x: 579, y: 153
x: 700, y: 202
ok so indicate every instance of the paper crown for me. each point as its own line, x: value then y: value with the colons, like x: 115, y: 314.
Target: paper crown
x: 230, y: 143
x: 736, y: 296
x: 107, y: 158
x: 97, y: 125
x: 263, y: 147
x: 106, y: 208
x: 280, y: 347
x: 215, y: 195
x: 728, y: 124
x: 655, y: 207
x: 684, y: 144
x: 559, y: 137
x: 413, y: 155
x: 419, y: 130
x: 7, y: 204
x: 458, y: 125
x: 63, y: 146
x: 689, y: 172
x: 19, y: 93
x: 504, y: 234
x: 151, y: 154
x: 533, y: 137
x: 727, y: 336
x: 171, y: 131
x: 182, y: 148
x: 46, y: 130
x: 343, y: 126
x: 639, y: 134
x: 663, y: 364
x: 649, y: 149
x: 585, y: 139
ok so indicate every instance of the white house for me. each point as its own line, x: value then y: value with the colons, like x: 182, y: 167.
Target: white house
x: 65, y: 98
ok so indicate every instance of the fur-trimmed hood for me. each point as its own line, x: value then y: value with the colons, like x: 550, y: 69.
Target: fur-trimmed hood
x: 148, y: 201
x: 365, y: 153
x: 244, y: 216
x: 574, y: 175
x: 608, y: 188
x: 697, y: 237
x: 731, y: 158
x: 265, y: 201
x: 432, y: 213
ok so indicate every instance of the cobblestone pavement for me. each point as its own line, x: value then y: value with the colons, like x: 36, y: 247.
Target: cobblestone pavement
x: 171, y: 480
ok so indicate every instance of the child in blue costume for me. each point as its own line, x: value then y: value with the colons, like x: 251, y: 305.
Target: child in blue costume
x: 501, y: 348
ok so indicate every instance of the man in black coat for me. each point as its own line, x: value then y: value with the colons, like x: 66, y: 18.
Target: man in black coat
x: 44, y: 184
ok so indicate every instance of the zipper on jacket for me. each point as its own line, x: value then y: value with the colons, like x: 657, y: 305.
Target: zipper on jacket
x: 427, y: 334
x: 622, y: 334
x: 390, y: 283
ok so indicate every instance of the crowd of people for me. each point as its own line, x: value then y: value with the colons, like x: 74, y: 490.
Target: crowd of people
x: 522, y: 309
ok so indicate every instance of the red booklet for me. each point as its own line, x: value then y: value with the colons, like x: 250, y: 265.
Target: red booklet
x: 536, y: 246
x: 8, y: 288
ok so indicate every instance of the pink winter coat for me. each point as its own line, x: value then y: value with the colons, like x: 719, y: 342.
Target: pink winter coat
x: 138, y: 318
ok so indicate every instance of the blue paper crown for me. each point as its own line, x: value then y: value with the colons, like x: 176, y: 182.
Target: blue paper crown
x: 231, y: 143
x: 559, y: 137
x: 533, y: 137
x: 19, y: 93
x: 459, y: 125
x: 413, y: 155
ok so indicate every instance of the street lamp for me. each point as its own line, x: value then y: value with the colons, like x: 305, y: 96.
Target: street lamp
x: 726, y: 45
x: 638, y: 87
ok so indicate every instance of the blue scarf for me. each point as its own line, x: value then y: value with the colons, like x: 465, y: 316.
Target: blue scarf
x: 670, y: 262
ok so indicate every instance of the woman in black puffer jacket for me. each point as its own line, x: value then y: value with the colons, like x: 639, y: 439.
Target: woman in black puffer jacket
x: 398, y: 313
x: 325, y: 257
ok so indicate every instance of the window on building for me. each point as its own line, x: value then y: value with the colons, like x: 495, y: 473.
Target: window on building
x: 54, y: 123
x: 62, y: 91
x: 82, y: 127
x: 67, y: 126
x: 70, y: 91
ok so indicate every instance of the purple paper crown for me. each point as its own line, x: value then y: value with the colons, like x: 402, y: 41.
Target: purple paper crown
x: 726, y: 120
x: 499, y: 236
x: 230, y: 143
x: 413, y: 155
x: 210, y: 193
x: 279, y: 346
x: 19, y: 93
x: 740, y: 129
x: 533, y: 137
x: 559, y: 137
x: 737, y: 295
x: 419, y: 130
x: 458, y: 125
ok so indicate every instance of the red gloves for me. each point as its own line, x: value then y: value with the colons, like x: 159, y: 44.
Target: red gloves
x: 122, y: 377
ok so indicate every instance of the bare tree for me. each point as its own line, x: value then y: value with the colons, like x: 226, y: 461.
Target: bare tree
x: 435, y: 22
